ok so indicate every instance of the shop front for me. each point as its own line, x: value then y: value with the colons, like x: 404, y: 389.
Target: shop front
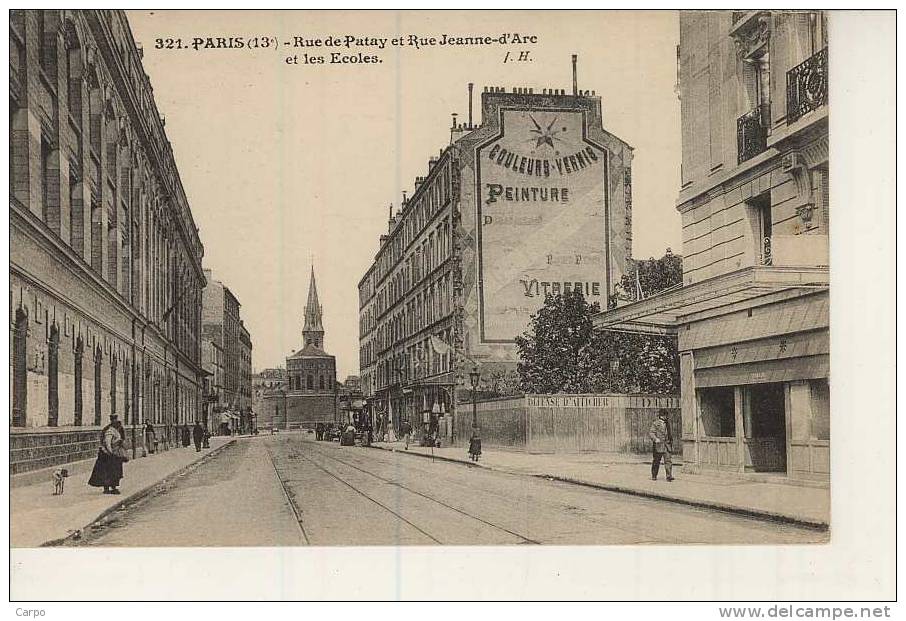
x: 759, y: 405
x: 754, y: 351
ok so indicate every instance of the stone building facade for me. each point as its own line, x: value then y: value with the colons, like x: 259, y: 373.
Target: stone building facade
x: 535, y: 199
x: 245, y: 379
x: 105, y: 258
x: 265, y: 384
x: 230, y: 347
x: 752, y: 315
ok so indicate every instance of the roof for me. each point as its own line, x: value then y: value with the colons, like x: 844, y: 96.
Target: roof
x: 309, y: 351
x: 664, y: 311
x: 312, y: 307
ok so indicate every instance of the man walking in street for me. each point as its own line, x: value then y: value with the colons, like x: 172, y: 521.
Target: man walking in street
x: 197, y: 436
x: 406, y: 431
x: 662, y: 445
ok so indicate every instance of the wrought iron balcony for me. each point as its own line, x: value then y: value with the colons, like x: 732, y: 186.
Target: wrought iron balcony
x: 752, y: 133
x: 806, y: 86
x: 766, y: 256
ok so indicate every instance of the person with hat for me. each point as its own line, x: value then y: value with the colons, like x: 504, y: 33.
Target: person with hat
x: 108, y: 469
x: 661, y: 445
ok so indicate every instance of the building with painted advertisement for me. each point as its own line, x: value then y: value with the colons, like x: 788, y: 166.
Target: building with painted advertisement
x: 752, y: 315
x: 535, y: 199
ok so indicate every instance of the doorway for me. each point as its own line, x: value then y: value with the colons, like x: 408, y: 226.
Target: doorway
x: 765, y: 427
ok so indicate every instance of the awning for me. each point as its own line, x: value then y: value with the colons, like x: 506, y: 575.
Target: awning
x: 765, y: 372
x: 662, y: 312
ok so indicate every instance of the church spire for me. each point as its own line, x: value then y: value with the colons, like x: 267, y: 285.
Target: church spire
x: 313, y: 330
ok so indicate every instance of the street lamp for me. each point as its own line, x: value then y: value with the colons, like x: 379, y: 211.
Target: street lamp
x: 285, y: 412
x: 474, y: 378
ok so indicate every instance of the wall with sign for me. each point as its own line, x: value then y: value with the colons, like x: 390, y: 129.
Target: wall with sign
x: 545, y: 209
x: 615, y: 423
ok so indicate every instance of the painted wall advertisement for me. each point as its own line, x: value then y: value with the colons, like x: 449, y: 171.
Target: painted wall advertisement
x: 541, y: 217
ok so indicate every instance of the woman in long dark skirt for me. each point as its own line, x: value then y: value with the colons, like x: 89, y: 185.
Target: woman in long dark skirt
x: 475, y: 445
x: 108, y: 469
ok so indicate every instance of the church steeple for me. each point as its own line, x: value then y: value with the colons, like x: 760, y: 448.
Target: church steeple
x: 313, y: 330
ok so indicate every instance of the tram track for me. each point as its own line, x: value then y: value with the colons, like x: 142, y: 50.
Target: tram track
x: 418, y: 504
x: 653, y: 535
x: 324, y: 459
x: 297, y: 513
x: 430, y: 498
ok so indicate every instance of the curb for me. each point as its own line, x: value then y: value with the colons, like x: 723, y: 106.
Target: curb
x: 759, y: 514
x: 133, y: 497
x: 452, y: 460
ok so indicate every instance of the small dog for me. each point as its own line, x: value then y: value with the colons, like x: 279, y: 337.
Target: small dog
x: 59, y: 480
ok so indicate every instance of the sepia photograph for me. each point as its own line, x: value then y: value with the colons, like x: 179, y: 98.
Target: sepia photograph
x: 358, y: 279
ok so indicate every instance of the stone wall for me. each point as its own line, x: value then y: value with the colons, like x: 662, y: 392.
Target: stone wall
x: 34, y: 450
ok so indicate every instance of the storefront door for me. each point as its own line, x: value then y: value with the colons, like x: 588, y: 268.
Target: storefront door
x: 765, y: 427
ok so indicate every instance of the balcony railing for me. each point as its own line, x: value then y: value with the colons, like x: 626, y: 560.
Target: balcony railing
x: 806, y: 86
x: 766, y: 256
x: 752, y: 133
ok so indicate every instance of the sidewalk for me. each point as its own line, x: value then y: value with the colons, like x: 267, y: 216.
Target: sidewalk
x: 38, y: 517
x: 805, y: 504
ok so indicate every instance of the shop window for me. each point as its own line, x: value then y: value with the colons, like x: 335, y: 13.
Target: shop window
x: 820, y: 390
x: 718, y: 412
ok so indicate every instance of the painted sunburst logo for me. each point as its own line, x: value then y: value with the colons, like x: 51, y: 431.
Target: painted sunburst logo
x: 546, y: 135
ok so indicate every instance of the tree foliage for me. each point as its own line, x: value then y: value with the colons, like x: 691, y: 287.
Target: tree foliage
x: 654, y: 275
x: 561, y: 352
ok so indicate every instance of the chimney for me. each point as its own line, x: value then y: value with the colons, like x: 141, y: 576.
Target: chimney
x: 470, y: 104
x: 575, y: 81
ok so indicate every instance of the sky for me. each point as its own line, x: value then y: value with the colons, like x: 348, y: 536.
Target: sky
x: 289, y: 165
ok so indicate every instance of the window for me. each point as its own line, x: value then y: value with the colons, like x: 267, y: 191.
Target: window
x: 20, y: 369
x: 718, y: 412
x: 761, y: 218
x: 113, y: 386
x: 820, y: 392
x: 77, y: 401
x: 321, y: 382
x: 817, y: 31
x: 309, y: 382
x: 53, y: 377
x: 97, y: 385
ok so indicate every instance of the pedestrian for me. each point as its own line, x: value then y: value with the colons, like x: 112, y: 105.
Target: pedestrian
x: 661, y: 444
x: 186, y: 436
x: 207, y: 437
x: 108, y: 468
x: 319, y: 431
x: 150, y: 437
x: 406, y: 432
x: 475, y: 445
x: 197, y: 436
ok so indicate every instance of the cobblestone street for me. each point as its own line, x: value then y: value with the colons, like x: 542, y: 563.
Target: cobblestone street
x: 289, y: 490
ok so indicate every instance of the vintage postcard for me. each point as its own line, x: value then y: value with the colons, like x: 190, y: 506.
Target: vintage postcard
x: 339, y: 278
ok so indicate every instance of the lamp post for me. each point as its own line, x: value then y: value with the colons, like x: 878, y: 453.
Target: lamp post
x: 285, y: 412
x: 474, y: 378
